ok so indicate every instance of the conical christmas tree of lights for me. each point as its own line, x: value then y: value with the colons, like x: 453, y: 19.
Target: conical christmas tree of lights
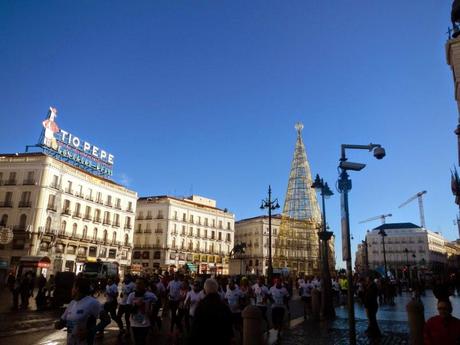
x: 297, y: 245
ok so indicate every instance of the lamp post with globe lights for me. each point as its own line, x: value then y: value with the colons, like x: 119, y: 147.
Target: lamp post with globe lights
x: 270, y: 205
x: 327, y: 308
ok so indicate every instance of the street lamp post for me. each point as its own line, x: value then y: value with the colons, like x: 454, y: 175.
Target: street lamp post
x: 327, y: 308
x: 384, y: 234
x: 366, y: 255
x: 407, y: 265
x: 271, y: 205
x: 344, y: 187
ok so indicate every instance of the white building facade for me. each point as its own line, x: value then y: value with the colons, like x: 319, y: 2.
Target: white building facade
x: 173, y: 233
x: 425, y: 249
x: 63, y: 214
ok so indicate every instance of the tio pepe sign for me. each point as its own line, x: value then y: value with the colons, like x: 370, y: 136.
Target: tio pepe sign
x: 71, y: 147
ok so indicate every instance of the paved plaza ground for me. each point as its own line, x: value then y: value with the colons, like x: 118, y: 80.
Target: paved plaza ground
x: 36, y: 328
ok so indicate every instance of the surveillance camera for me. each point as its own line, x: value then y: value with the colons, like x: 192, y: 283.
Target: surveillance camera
x: 379, y: 152
x: 352, y: 166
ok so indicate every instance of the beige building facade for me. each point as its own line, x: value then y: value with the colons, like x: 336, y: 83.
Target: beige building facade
x: 62, y: 214
x: 173, y: 233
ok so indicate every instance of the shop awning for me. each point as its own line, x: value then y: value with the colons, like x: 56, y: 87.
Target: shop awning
x: 35, y: 261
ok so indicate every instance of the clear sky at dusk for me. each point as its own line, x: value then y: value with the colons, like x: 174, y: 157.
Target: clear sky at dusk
x: 202, y: 96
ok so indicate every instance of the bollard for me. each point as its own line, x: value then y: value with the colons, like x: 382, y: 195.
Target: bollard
x: 252, y: 326
x: 315, y: 304
x: 416, y: 317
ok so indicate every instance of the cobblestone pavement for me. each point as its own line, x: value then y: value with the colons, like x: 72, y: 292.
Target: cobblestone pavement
x: 336, y: 332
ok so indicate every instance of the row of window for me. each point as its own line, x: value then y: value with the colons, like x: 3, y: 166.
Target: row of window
x: 11, y: 178
x: 104, y: 252
x: 23, y: 202
x: 192, y: 219
x: 88, y: 214
x: 90, y: 195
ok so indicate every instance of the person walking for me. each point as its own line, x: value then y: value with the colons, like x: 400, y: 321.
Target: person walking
x: 212, y: 322
x: 261, y: 295
x: 192, y: 299
x: 370, y: 302
x: 111, y: 304
x: 305, y: 290
x: 127, y: 287
x: 140, y: 302
x: 81, y: 315
x: 279, y: 297
x: 174, y: 298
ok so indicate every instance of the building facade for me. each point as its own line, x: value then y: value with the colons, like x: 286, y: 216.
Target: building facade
x: 253, y: 233
x: 172, y: 233
x: 425, y: 249
x: 62, y: 213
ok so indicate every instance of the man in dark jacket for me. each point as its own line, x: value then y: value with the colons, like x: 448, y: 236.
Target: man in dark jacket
x: 212, y: 323
x: 371, y: 305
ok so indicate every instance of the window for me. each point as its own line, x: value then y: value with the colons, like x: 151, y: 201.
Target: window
x: 191, y: 218
x: 220, y: 224
x: 199, y: 220
x: 25, y: 200
x: 109, y: 200
x: 48, y: 225
x: 85, y: 232
x: 228, y: 238
x: 149, y: 215
x: 55, y: 181
x: 99, y: 197
x: 63, y: 226
x: 213, y: 223
x: 136, y: 255
x: 4, y: 220
x: 190, y: 232
x: 118, y: 203
x: 74, y: 230
x: 213, y: 235
x: 51, y: 202
x: 104, y: 237
x: 66, y: 207
x: 183, y: 229
x: 69, y: 187
x: 175, y: 215
x: 103, y: 252
x: 206, y: 221
x: 160, y: 214
x: 95, y: 234
x: 114, y: 237
x: 205, y: 233
x: 146, y: 255
x: 128, y: 223
x: 106, y: 217
x: 116, y: 220
x: 126, y: 240
x: 80, y: 191
x: 139, y: 228
x: 184, y: 217
x: 220, y: 236
x: 130, y: 206
x: 88, y: 212
x: 198, y: 232
x: 92, y: 252
x: 97, y: 216
x: 76, y: 212
x: 23, y: 222
x: 229, y: 226
x: 157, y: 255
x: 30, y: 178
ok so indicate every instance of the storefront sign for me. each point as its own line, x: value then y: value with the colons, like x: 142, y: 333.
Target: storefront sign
x: 72, y: 149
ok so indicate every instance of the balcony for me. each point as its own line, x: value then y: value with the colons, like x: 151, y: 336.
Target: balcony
x: 79, y: 195
x: 25, y: 204
x: 77, y: 215
x: 129, y: 209
x: 140, y: 218
x: 10, y: 182
x: 117, y: 206
x: 28, y: 182
x: 106, y: 222
x: 6, y: 204
x: 97, y: 220
x: 55, y: 186
x: 158, y: 231
x: 99, y: 201
x: 89, y: 197
x: 127, y: 227
x: 116, y: 224
x: 68, y: 191
x: 66, y: 212
x: 87, y: 217
x: 109, y: 204
x: 51, y: 207
x: 149, y: 218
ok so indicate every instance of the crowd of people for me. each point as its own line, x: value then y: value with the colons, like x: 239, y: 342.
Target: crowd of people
x: 198, y: 311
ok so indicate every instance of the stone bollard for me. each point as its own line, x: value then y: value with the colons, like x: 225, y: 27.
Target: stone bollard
x: 416, y: 318
x: 315, y: 304
x: 252, y: 326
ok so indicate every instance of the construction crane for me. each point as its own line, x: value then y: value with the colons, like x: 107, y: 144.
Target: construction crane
x: 419, y: 195
x: 382, y: 217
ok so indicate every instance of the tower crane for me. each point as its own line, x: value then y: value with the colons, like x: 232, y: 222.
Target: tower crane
x: 382, y: 217
x: 419, y: 195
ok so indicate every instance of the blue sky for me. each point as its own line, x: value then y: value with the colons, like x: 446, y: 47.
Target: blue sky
x: 202, y: 96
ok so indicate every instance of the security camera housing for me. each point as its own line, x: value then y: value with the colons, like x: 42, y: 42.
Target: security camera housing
x: 352, y: 166
x: 379, y: 152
